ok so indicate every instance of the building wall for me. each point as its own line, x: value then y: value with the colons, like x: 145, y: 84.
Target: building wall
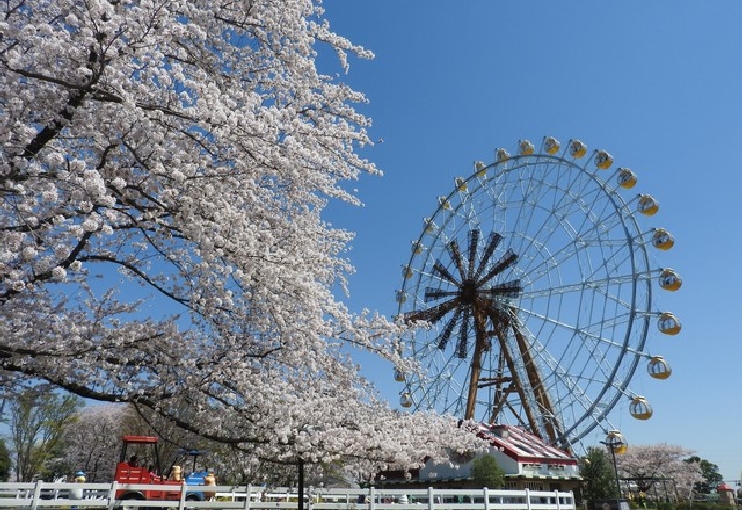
x: 448, y: 472
x: 536, y: 475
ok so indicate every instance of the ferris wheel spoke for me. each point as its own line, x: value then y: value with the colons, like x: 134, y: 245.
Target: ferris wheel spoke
x: 598, y: 357
x: 577, y: 287
x: 505, y: 261
x: 511, y: 289
x: 440, y: 270
x: 587, y: 337
x: 433, y: 314
x: 492, y: 242
x: 434, y: 294
x: 473, y: 244
x: 461, y: 343
x: 453, y: 250
x: 580, y: 288
x: 443, y: 339
x: 578, y: 239
x: 569, y: 251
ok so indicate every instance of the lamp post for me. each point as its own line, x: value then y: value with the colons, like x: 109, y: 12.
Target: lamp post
x: 300, y: 488
x: 615, y: 443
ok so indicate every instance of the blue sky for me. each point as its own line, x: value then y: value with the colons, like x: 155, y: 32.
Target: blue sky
x: 656, y: 84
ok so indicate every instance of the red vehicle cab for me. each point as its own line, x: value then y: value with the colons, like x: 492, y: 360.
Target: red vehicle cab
x: 129, y: 471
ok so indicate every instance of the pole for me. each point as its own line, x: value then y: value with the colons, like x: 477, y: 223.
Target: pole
x: 300, y: 502
x: 612, y: 443
x: 618, y: 482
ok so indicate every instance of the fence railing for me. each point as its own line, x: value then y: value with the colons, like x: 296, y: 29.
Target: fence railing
x: 84, y: 496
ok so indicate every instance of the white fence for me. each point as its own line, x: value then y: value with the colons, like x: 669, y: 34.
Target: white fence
x: 84, y: 496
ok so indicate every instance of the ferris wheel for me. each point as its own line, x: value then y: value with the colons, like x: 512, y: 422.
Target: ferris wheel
x: 530, y: 292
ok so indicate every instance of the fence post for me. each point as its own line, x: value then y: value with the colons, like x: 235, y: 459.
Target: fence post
x: 248, y: 497
x: 112, y: 495
x: 556, y: 498
x: 36, y: 494
x: 528, y: 499
x: 431, y: 501
x: 486, y: 498
x: 371, y: 498
x: 181, y: 503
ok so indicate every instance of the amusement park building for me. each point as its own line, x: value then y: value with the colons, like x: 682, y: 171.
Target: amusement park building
x: 528, y: 462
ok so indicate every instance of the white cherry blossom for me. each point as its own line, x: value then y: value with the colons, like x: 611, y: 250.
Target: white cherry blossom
x: 176, y: 158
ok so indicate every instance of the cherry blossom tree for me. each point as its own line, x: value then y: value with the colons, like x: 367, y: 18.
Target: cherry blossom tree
x: 164, y: 168
x: 647, y: 465
x: 93, y: 442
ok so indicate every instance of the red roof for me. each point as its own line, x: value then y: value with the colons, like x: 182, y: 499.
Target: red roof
x: 523, y: 446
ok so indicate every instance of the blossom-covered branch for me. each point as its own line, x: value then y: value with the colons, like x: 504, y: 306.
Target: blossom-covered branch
x: 163, y: 173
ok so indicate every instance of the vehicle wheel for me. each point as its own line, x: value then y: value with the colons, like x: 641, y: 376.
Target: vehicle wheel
x: 131, y: 497
x: 191, y: 497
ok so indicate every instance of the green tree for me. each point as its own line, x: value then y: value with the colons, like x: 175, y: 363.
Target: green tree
x: 5, y: 461
x: 599, y: 475
x: 485, y: 471
x: 710, y: 473
x: 38, y: 420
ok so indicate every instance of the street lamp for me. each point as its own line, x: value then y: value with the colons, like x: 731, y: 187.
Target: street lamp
x: 616, y: 443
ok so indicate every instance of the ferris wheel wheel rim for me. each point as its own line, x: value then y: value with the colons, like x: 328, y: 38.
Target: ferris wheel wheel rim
x: 619, y: 205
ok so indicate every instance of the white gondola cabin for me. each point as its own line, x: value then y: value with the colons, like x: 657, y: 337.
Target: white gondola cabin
x: 460, y: 184
x: 615, y: 442
x: 577, y: 149
x: 626, y: 178
x: 640, y: 408
x: 670, y: 280
x: 603, y: 160
x: 662, y: 239
x: 668, y: 324
x: 658, y: 368
x: 429, y: 226
x: 525, y: 148
x: 647, y: 205
x: 551, y: 145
